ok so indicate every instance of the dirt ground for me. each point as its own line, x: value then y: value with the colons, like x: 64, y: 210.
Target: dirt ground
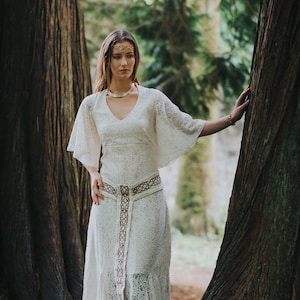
x: 188, y: 284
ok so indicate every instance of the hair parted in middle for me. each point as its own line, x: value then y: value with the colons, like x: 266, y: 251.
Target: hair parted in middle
x: 104, y: 74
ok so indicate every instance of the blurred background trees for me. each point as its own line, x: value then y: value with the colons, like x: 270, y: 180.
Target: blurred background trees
x: 198, y: 53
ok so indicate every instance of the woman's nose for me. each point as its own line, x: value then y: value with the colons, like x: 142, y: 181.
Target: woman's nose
x: 124, y: 61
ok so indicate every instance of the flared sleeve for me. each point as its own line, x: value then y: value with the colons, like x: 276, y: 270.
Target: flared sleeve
x: 84, y: 140
x: 176, y: 131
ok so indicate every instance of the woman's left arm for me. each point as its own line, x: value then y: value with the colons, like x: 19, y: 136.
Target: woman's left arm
x: 213, y: 126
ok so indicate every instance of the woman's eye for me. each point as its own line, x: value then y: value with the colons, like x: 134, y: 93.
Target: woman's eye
x: 128, y: 56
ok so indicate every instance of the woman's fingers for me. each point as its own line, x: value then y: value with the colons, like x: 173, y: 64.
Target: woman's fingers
x: 240, y: 105
x: 95, y: 199
x: 99, y: 183
x: 243, y: 96
x: 97, y: 186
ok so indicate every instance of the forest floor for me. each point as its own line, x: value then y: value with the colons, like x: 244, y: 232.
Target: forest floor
x: 189, y: 284
x: 192, y: 265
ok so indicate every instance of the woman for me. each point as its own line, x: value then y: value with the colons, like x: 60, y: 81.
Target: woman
x: 137, y: 130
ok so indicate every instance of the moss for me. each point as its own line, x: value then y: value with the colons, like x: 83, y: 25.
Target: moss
x: 192, y: 195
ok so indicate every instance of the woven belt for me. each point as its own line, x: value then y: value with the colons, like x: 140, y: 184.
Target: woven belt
x: 125, y: 190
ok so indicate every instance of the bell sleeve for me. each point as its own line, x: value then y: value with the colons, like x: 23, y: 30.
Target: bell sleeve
x: 176, y: 131
x: 84, y: 140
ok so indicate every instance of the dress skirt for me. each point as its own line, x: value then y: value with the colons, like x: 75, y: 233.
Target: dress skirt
x: 128, y: 245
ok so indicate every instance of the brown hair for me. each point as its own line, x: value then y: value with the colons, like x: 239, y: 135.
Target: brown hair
x: 104, y: 75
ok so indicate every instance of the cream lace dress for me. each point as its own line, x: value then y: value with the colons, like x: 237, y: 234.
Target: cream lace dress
x: 128, y: 244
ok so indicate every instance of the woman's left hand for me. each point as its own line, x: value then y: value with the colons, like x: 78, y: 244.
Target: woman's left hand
x: 240, y: 106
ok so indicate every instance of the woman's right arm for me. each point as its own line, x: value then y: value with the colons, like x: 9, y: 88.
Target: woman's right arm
x: 96, y: 184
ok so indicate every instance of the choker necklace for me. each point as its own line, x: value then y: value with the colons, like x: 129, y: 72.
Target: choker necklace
x: 121, y: 95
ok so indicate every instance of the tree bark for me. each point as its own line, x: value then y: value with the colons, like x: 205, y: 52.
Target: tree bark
x: 260, y: 253
x: 44, y: 207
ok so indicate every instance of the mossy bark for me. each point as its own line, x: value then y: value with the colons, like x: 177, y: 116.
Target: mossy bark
x: 192, y: 198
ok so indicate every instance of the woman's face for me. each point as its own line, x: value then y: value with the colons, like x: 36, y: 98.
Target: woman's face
x: 122, y: 60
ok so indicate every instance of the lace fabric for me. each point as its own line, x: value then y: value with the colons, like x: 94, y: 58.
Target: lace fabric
x: 123, y: 195
x: 129, y: 232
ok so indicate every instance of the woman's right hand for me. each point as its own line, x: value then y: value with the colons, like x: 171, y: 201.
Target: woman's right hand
x: 97, y: 186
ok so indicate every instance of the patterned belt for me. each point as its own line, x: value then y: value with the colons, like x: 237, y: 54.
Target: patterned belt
x: 125, y: 190
x: 124, y: 193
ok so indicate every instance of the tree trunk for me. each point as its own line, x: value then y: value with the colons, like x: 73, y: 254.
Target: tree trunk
x: 260, y: 253
x: 44, y: 208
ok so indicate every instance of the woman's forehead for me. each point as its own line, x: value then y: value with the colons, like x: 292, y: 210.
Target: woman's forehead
x: 123, y: 47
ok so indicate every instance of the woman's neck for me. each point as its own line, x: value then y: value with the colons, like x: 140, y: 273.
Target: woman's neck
x: 120, y: 86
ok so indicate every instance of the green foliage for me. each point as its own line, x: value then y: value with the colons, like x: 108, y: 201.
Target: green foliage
x: 171, y: 36
x: 174, y: 41
x: 169, y: 29
x: 174, y: 36
x: 223, y: 72
x: 100, y: 18
x: 239, y: 22
x: 233, y: 62
x: 228, y: 69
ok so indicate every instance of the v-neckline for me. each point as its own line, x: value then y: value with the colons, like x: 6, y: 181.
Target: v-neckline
x: 131, y: 111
